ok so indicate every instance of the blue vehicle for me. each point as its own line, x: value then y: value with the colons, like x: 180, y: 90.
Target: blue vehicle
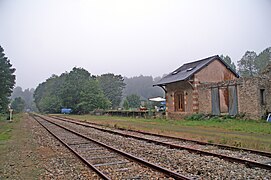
x: 66, y: 110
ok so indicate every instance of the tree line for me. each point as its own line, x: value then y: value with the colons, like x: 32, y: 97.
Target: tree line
x: 7, y: 81
x: 83, y: 92
x: 77, y: 89
x: 23, y: 100
x: 251, y: 64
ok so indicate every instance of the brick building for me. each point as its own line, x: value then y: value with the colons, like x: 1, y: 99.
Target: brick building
x: 181, y: 86
x: 210, y: 86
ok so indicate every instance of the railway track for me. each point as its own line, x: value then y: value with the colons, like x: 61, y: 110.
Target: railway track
x: 248, y: 157
x: 107, y: 161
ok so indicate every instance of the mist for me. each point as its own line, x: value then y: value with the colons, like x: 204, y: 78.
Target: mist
x: 131, y: 38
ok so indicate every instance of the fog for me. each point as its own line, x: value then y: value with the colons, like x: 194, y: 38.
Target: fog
x: 148, y: 37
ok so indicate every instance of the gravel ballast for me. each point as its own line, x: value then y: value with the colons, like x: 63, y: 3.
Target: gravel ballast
x: 181, y: 161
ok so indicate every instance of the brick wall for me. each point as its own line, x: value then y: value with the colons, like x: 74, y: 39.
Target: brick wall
x: 205, y: 102
x: 249, y: 97
x: 248, y: 94
x: 187, y: 90
x: 214, y: 72
x: 178, y: 115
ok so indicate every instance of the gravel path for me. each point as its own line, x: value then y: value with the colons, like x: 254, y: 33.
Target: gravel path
x: 181, y: 161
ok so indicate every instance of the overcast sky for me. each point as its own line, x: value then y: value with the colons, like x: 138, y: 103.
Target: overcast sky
x: 148, y: 37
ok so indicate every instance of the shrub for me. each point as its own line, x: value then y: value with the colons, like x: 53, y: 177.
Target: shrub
x: 196, y: 117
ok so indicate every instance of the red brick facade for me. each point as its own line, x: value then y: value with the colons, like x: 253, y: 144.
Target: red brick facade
x: 191, y: 99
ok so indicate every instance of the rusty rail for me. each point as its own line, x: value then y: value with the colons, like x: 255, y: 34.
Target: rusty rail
x: 78, y: 155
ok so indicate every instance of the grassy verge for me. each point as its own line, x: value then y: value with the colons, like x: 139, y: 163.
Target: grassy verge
x: 5, y: 128
x: 240, y: 133
x: 17, y: 150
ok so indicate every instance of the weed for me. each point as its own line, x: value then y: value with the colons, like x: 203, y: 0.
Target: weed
x: 237, y: 144
x: 116, y: 126
x: 107, y: 125
x: 210, y: 141
x: 223, y: 140
x: 195, y: 117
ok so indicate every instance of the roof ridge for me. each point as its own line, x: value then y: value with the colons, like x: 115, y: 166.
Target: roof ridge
x: 185, y: 71
x: 211, y: 57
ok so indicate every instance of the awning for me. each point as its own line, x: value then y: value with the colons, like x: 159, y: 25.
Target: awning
x: 157, y: 99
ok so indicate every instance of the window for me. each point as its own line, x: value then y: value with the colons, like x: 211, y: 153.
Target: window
x: 179, y: 102
x: 262, y: 96
x: 190, y: 69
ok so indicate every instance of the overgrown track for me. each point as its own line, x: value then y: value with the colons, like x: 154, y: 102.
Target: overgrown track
x: 249, y: 157
x: 107, y: 161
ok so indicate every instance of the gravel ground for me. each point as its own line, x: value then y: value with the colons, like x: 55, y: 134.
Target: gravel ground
x: 181, y: 161
x: 32, y: 153
x: 116, y: 167
x: 209, y: 148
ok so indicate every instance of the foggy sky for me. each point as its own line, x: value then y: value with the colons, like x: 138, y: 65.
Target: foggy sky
x: 148, y: 37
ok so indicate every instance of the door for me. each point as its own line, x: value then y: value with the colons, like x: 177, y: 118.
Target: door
x: 233, y: 105
x: 179, y: 102
x: 215, y: 101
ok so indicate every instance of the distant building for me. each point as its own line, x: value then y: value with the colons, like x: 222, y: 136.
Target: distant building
x: 211, y: 86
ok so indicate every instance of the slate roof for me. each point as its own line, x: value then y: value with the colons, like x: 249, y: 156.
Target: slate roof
x: 189, y: 69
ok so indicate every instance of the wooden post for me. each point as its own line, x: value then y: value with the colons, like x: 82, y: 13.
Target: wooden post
x: 10, y: 114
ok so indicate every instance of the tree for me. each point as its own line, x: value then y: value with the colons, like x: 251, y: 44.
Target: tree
x: 17, y: 92
x: 262, y: 60
x: 133, y: 101
x: 47, y: 95
x: 227, y: 59
x: 26, y: 95
x: 91, y: 97
x: 7, y: 80
x: 18, y: 104
x: 112, y: 86
x: 126, y: 104
x: 71, y: 86
x: 77, y: 90
x: 247, y: 64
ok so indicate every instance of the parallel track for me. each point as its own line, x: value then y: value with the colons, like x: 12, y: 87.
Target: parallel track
x: 169, y: 142
x: 106, y: 161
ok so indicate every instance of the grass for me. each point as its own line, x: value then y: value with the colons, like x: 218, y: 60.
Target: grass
x: 241, y: 133
x: 227, y: 124
x: 6, y: 127
x: 248, y: 126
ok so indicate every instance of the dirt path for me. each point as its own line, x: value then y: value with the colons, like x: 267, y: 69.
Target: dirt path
x: 32, y: 153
